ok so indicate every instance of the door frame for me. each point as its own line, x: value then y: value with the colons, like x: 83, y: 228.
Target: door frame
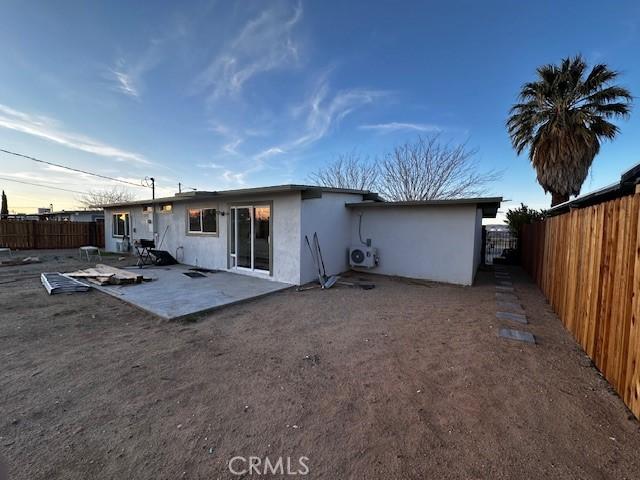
x: 251, y: 205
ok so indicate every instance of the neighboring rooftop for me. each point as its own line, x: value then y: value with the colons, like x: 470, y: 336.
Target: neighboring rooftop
x: 626, y: 186
x: 308, y: 191
x: 65, y: 212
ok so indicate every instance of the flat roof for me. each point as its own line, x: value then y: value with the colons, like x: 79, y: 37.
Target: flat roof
x: 209, y: 195
x: 489, y: 205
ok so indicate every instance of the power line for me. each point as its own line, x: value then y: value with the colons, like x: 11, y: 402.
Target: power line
x: 107, y: 177
x: 72, y: 169
x: 41, y: 185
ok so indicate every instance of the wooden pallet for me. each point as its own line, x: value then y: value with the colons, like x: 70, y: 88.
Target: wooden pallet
x: 107, y: 275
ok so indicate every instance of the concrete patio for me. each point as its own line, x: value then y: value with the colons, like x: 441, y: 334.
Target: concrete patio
x: 172, y: 295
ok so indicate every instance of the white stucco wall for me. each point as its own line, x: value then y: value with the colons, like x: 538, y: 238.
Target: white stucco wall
x: 440, y: 243
x: 210, y: 251
x: 477, y: 244
x: 331, y: 219
x: 427, y: 242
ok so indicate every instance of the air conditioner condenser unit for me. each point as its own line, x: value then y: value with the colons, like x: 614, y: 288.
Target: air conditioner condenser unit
x: 362, y: 256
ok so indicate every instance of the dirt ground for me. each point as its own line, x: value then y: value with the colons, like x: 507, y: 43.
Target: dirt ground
x: 404, y: 381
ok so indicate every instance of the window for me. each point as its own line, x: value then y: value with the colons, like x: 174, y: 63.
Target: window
x: 120, y: 224
x: 166, y: 208
x: 203, y: 220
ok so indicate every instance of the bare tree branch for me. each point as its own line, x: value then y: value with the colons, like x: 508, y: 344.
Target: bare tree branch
x: 428, y: 169
x: 95, y: 198
x: 348, y: 170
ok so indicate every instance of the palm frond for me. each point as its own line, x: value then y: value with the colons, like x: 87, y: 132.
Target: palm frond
x: 609, y: 94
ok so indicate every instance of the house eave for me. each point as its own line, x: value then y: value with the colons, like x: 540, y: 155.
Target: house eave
x: 489, y: 205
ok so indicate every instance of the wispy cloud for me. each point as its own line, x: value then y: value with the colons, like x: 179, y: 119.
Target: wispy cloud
x: 125, y: 83
x: 232, y: 146
x: 129, y: 70
x: 321, y: 112
x: 269, y: 152
x: 270, y: 42
x: 309, y: 121
x: 265, y: 43
x: 47, y: 129
x: 127, y: 75
x: 211, y: 165
x: 37, y: 177
x: 398, y: 126
x: 234, y: 177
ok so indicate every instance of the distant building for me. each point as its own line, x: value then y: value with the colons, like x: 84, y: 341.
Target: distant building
x: 46, y: 215
x: 23, y: 216
x: 496, y: 227
x: 73, y: 216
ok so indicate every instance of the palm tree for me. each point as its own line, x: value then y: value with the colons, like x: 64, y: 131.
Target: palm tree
x: 4, y: 208
x: 562, y: 118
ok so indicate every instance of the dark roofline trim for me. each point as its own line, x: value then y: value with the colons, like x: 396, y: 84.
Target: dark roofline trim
x: 423, y: 203
x: 626, y: 186
x: 489, y: 205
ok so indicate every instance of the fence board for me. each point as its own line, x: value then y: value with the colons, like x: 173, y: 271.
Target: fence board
x: 587, y: 263
x: 33, y: 234
x: 631, y: 393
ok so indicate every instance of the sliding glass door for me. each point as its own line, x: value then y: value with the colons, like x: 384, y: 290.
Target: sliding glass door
x: 250, y: 237
x: 243, y: 237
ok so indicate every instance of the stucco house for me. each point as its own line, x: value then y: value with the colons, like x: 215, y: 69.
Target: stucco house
x: 261, y: 231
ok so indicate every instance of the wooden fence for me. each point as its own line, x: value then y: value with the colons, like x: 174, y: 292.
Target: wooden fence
x: 587, y: 263
x: 34, y: 234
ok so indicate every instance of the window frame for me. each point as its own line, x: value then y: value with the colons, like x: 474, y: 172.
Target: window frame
x: 127, y: 225
x: 201, y: 232
x: 163, y: 208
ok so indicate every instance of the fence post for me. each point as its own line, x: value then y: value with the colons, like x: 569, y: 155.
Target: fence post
x: 32, y: 235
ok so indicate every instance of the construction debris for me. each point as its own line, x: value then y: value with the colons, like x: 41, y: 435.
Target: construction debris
x: 59, y: 283
x: 19, y: 261
x: 518, y: 335
x: 362, y: 285
x: 107, y: 275
x: 325, y: 280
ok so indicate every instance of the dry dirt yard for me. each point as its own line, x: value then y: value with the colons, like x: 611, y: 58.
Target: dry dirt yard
x: 405, y: 381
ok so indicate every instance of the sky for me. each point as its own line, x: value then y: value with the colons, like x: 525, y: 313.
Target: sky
x: 221, y: 94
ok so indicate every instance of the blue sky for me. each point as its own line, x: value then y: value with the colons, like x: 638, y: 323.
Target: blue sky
x: 230, y: 94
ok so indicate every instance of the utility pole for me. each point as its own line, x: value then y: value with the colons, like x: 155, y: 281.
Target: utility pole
x: 153, y: 206
x: 179, y: 187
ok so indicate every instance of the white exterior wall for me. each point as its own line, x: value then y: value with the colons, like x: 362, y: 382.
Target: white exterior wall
x: 440, y: 243
x: 331, y: 219
x: 210, y: 251
x: 427, y: 242
x: 477, y: 244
